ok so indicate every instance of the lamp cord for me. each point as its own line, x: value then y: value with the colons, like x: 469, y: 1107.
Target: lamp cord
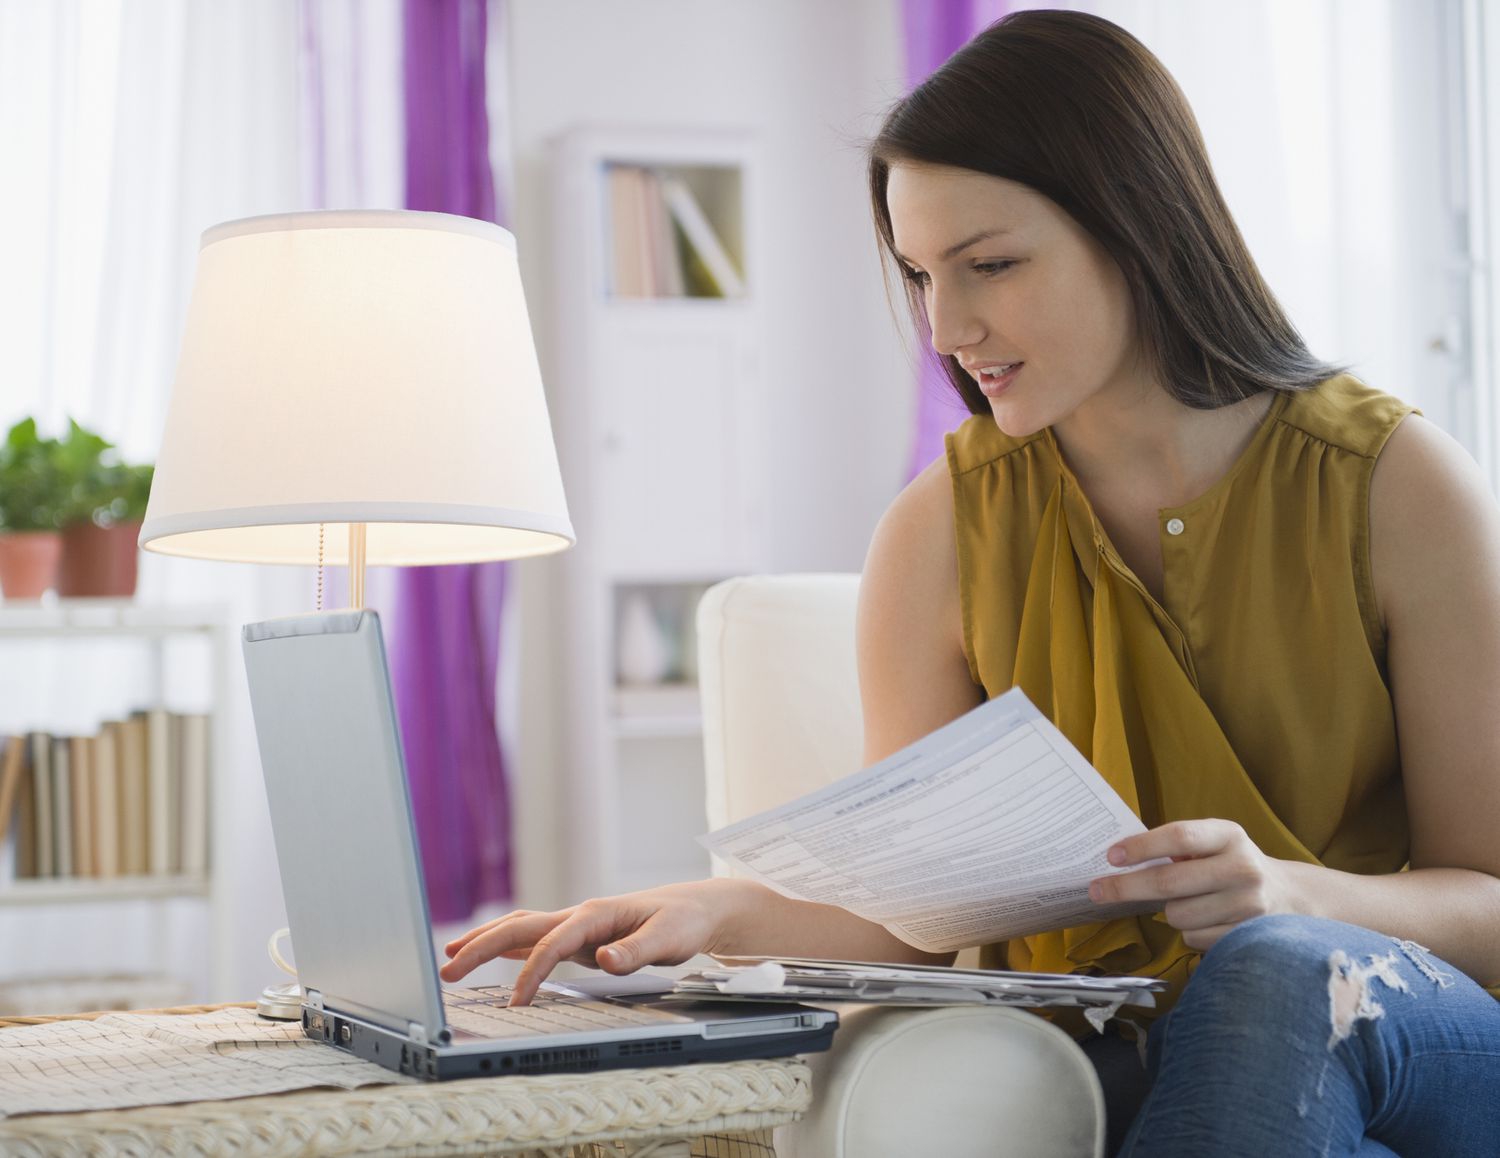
x: 320, y: 566
x: 274, y: 948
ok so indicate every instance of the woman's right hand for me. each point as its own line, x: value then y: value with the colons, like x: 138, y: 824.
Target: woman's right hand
x: 661, y: 926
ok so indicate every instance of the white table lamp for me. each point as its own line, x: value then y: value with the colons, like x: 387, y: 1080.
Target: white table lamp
x: 357, y: 387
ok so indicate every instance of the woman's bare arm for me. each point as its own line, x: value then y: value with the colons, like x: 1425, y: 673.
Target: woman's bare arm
x: 1435, y: 561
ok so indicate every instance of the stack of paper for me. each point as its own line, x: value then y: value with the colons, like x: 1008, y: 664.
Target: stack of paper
x: 807, y: 979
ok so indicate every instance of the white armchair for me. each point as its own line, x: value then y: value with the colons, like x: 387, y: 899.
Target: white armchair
x: 781, y: 716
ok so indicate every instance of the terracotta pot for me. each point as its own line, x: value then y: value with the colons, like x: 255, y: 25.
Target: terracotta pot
x: 98, y: 560
x: 28, y: 562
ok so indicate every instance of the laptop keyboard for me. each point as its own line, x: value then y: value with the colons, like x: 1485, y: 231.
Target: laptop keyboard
x: 485, y: 1012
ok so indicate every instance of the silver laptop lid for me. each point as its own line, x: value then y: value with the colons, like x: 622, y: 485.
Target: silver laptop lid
x: 335, y: 777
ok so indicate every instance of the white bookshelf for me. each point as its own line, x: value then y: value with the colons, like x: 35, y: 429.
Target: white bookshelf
x: 657, y: 404
x: 64, y: 636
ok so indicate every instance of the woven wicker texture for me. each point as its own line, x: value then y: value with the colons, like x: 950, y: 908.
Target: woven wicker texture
x: 485, y: 1115
x: 727, y: 1108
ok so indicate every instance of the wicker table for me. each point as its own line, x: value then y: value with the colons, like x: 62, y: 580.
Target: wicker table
x: 716, y: 1110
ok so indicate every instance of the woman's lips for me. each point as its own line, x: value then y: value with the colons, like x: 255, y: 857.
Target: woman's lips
x: 992, y: 387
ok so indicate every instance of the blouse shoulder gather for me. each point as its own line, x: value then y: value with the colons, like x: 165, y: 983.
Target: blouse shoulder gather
x: 978, y: 442
x: 1345, y: 412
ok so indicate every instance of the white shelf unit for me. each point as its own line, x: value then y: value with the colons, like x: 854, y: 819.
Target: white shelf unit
x: 657, y: 403
x: 70, y: 622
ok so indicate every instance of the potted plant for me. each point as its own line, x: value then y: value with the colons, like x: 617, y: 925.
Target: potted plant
x: 32, y: 495
x: 102, y: 517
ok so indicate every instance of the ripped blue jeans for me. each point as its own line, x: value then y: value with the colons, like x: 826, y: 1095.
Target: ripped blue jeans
x: 1302, y: 1036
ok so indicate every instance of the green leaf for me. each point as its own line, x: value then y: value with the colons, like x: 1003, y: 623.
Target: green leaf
x: 47, y: 483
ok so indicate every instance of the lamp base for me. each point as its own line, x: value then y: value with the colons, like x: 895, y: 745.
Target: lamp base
x: 280, y: 1002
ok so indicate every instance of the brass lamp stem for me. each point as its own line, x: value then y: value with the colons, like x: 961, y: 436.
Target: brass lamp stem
x: 357, y: 565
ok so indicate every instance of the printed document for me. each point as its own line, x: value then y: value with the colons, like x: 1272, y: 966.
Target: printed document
x: 824, y: 982
x: 989, y: 828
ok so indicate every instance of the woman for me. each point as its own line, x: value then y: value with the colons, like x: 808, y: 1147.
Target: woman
x: 1262, y: 597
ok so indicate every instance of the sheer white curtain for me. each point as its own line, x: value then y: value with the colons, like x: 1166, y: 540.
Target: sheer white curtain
x: 1481, y: 101
x: 129, y: 127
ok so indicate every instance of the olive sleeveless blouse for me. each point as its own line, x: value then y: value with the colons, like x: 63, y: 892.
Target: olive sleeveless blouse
x: 1255, y: 691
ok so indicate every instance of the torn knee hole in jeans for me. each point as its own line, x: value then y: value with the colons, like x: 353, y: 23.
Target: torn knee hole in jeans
x: 1349, y: 990
x: 1417, y: 955
x: 1349, y: 995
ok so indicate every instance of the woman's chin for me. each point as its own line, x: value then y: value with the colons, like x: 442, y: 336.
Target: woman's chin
x: 1013, y: 421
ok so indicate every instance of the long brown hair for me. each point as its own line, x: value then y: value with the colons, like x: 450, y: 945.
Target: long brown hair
x: 1079, y: 110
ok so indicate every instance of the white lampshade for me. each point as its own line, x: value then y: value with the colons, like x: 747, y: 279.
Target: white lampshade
x: 355, y: 367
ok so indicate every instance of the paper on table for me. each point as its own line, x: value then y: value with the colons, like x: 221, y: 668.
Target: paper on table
x: 989, y: 828
x: 872, y: 981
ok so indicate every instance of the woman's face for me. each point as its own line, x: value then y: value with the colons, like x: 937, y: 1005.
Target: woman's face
x: 1009, y: 277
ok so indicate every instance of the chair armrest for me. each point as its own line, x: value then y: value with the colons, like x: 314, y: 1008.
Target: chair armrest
x: 956, y: 1081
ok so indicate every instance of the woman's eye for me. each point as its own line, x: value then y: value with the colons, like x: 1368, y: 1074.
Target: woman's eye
x: 983, y: 268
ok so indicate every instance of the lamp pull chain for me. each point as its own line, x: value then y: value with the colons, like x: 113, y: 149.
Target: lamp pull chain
x: 320, y: 566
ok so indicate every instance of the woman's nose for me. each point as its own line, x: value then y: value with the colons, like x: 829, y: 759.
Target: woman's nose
x: 953, y: 323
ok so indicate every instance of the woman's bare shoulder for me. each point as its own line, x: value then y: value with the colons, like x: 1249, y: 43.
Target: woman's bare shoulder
x: 913, y: 553
x: 925, y: 503
x: 914, y: 676
x: 1428, y: 499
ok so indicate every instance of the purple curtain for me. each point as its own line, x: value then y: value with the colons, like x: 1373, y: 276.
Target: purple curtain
x: 934, y: 30
x: 446, y: 649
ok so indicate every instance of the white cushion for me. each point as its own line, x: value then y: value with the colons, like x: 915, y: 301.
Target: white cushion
x: 776, y: 667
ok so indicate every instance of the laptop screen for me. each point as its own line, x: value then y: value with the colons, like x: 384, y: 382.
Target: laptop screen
x: 330, y: 748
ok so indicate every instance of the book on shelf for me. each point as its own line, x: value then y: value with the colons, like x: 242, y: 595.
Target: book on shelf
x: 193, y: 730
x: 106, y: 803
x: 134, y: 832
x: 163, y: 844
x: 702, y: 237
x: 12, y: 768
x: 131, y: 800
x: 628, y: 274
x: 26, y: 827
x: 62, y: 806
x: 41, y: 783
x: 665, y: 264
x: 82, y: 777
x: 662, y: 243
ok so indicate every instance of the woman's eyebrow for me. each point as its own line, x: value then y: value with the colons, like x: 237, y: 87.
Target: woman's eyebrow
x: 954, y: 250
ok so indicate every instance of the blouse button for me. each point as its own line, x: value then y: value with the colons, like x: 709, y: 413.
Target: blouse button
x: 1175, y: 526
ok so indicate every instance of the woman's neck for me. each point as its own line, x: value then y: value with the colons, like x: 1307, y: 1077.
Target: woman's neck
x: 1141, y: 445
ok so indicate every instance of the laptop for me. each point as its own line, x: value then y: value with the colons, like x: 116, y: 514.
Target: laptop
x: 356, y: 902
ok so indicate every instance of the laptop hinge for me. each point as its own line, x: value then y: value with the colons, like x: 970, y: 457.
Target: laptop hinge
x: 313, y: 997
x: 417, y: 1032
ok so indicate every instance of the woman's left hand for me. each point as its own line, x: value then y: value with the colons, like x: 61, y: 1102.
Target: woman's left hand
x: 1217, y: 878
